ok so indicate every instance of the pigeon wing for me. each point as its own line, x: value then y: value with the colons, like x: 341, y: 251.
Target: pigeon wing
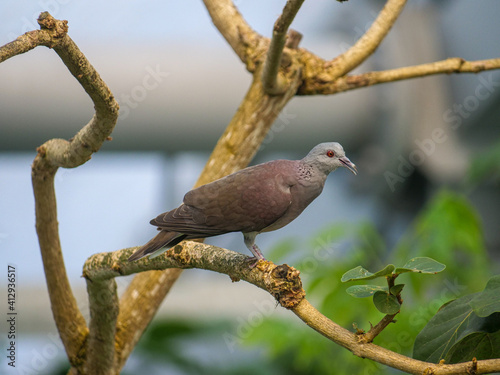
x: 249, y: 200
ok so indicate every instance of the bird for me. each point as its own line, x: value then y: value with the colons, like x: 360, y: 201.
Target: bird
x: 260, y: 198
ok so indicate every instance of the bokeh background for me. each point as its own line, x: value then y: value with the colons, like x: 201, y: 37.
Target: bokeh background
x: 178, y: 84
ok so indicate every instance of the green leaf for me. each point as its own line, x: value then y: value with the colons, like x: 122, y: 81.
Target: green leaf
x: 488, y: 301
x: 359, y: 273
x: 479, y: 345
x: 421, y: 265
x: 443, y: 330
x: 451, y: 324
x: 386, y: 303
x: 396, y: 289
x: 361, y: 291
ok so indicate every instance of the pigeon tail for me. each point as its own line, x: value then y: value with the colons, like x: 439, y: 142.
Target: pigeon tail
x: 160, y: 243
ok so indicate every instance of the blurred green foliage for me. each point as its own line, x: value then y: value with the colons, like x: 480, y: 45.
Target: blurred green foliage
x: 448, y: 229
x: 485, y: 167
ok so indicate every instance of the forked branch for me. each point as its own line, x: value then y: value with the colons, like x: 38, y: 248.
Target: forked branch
x: 273, y: 82
x: 57, y: 153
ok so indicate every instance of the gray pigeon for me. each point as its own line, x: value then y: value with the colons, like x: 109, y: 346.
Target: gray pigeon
x: 256, y: 199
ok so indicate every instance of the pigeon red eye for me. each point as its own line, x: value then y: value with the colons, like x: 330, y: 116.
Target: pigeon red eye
x: 330, y: 153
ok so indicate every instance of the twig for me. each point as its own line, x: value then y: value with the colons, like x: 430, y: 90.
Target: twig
x: 61, y: 153
x: 377, y: 328
x: 448, y: 66
x: 387, y: 319
x: 103, y: 306
x: 273, y: 82
x: 282, y: 282
x: 369, y: 42
x: 324, y: 85
x: 293, y: 39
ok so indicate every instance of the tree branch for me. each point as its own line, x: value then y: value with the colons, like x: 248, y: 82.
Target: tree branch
x: 320, y: 323
x: 61, y: 153
x: 241, y: 37
x: 448, y: 66
x: 283, y: 282
x: 68, y: 318
x: 138, y: 305
x: 451, y: 65
x: 369, y: 42
x: 103, y: 306
x: 273, y: 82
x: 387, y: 319
x: 377, y: 328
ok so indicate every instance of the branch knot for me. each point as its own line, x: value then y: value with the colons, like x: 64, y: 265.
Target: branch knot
x: 57, y: 28
x: 179, y: 255
x: 284, y: 283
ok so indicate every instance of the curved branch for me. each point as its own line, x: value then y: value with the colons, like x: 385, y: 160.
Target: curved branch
x: 369, y: 42
x: 50, y: 34
x: 284, y: 283
x: 57, y: 153
x: 69, y: 321
x: 272, y: 81
x: 241, y: 37
x: 320, y: 323
x: 451, y: 65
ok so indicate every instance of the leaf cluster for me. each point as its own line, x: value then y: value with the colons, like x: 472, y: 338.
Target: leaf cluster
x: 387, y: 298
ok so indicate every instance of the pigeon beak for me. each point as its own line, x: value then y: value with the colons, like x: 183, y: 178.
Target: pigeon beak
x: 349, y: 164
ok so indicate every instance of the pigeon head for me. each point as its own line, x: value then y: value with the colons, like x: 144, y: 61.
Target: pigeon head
x: 329, y: 156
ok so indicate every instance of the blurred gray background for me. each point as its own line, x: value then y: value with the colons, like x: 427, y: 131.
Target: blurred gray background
x: 178, y: 84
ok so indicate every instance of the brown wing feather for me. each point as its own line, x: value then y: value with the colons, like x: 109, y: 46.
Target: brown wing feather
x: 248, y: 200
x: 162, y: 239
